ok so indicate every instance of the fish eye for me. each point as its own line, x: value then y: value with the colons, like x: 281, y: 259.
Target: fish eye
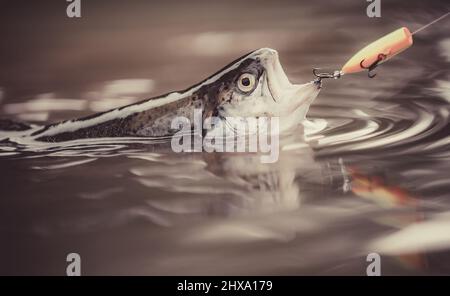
x: 246, y: 82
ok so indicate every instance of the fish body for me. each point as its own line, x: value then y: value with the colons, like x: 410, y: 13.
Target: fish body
x: 254, y: 85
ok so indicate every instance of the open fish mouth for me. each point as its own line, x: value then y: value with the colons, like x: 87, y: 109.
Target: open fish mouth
x: 287, y: 96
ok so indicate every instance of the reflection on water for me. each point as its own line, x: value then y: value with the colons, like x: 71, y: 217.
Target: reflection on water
x: 370, y: 173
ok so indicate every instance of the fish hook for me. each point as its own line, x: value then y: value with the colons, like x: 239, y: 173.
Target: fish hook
x: 375, y: 64
x: 336, y: 74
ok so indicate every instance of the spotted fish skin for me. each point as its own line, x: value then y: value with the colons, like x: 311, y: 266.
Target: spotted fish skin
x: 149, y: 123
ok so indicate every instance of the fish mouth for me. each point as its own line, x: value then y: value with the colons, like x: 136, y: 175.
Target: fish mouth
x: 287, y: 95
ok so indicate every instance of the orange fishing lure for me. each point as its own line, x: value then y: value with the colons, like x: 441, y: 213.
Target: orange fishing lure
x: 377, y: 52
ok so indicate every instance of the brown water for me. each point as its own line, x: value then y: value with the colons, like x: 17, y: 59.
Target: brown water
x: 371, y: 176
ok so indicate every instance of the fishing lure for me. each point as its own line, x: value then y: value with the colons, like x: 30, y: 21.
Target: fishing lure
x: 376, y: 52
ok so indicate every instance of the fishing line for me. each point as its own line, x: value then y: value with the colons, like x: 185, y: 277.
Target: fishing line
x: 429, y: 24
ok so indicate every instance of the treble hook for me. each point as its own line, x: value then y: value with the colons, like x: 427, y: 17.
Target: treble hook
x: 336, y: 74
x: 380, y: 58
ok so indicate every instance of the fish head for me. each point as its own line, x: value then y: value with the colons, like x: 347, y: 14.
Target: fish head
x: 256, y: 86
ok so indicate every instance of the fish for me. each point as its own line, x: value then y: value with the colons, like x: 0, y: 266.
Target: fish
x: 254, y: 85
